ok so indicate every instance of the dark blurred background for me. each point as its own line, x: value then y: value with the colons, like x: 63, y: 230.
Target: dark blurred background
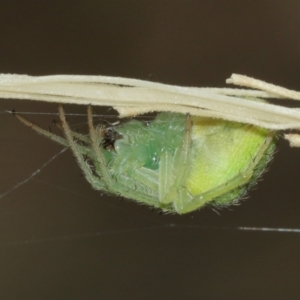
x: 59, y: 239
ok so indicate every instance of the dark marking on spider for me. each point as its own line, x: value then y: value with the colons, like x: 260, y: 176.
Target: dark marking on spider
x: 109, y: 137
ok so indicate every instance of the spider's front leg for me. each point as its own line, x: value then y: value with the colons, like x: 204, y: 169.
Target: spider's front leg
x: 95, y: 181
x: 99, y: 159
x: 40, y: 130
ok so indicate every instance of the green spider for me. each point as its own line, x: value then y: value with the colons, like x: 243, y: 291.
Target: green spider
x: 178, y: 163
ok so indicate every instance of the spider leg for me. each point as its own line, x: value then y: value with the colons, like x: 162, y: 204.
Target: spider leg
x: 172, y: 189
x: 91, y: 178
x: 100, y: 162
x: 48, y: 134
x: 42, y: 131
x: 75, y: 134
x: 166, y: 177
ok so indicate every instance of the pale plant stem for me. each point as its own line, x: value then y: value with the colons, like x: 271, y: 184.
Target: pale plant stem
x: 253, y: 83
x: 132, y: 97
